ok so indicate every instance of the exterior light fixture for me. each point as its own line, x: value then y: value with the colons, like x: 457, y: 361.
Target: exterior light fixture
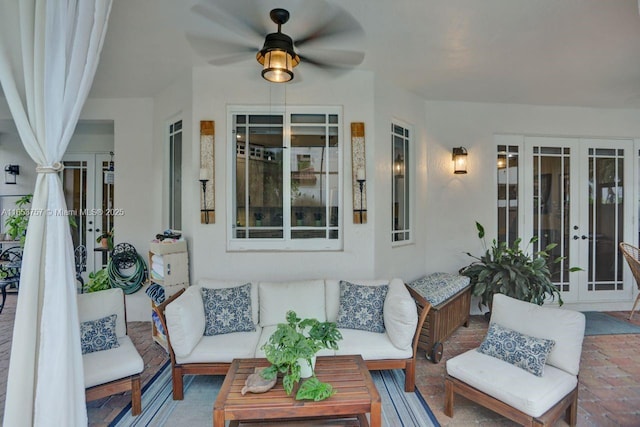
x: 277, y: 55
x: 459, y: 156
x: 10, y: 173
x: 205, y: 176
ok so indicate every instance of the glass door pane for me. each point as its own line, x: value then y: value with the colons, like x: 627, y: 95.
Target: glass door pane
x: 606, y: 208
x: 552, y: 208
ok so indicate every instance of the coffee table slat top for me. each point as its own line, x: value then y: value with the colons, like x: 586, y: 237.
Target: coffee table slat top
x: 349, y: 376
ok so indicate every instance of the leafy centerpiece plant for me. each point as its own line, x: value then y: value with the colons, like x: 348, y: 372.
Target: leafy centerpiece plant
x: 295, y: 341
x: 512, y: 271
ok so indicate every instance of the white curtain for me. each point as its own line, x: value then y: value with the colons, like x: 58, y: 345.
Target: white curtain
x: 49, y: 51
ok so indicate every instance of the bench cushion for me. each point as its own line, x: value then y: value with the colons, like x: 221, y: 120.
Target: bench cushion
x: 439, y: 287
x: 528, y: 393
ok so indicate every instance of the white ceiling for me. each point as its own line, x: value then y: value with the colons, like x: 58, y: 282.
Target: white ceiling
x: 544, y: 52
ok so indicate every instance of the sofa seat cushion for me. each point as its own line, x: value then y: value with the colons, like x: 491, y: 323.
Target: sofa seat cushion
x: 518, y: 388
x: 371, y: 345
x: 267, y: 331
x: 101, y: 367
x: 223, y: 348
x: 305, y: 297
x: 439, y: 287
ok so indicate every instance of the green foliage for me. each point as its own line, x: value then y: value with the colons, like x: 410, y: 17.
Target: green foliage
x: 314, y: 389
x: 98, y: 281
x: 106, y: 235
x: 513, y: 272
x: 299, y: 339
x: 16, y: 223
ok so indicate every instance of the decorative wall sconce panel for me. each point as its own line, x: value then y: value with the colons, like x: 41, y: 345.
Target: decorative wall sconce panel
x: 207, y: 176
x: 358, y: 172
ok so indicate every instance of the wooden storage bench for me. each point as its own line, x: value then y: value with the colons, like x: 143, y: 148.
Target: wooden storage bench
x: 449, y: 296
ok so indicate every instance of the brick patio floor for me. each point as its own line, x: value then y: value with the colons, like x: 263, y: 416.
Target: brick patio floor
x: 609, y: 391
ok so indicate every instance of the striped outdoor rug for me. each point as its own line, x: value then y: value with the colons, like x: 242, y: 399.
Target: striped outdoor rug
x: 399, y: 409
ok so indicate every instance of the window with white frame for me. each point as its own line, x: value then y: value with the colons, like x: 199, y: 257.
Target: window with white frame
x: 400, y: 207
x: 285, y: 170
x: 175, y: 175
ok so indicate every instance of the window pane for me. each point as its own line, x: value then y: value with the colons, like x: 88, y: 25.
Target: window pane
x: 259, y: 180
x: 175, y: 175
x: 400, y: 186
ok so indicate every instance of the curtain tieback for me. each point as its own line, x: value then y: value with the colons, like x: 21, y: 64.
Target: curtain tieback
x: 54, y: 168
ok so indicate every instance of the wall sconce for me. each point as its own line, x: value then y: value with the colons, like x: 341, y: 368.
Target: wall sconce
x: 10, y: 173
x: 361, y: 180
x: 205, y: 177
x: 459, y: 156
x: 398, y: 166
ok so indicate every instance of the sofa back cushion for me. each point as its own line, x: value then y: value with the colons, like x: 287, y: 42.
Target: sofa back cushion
x: 220, y: 284
x: 565, y: 327
x: 96, y: 305
x: 305, y: 297
x: 185, y: 321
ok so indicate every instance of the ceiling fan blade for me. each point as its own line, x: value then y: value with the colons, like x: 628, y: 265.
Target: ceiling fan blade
x: 243, y: 22
x: 231, y: 59
x: 209, y: 47
x: 329, y: 58
x: 336, y: 22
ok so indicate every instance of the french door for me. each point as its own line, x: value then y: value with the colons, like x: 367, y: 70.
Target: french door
x: 90, y: 197
x: 578, y: 194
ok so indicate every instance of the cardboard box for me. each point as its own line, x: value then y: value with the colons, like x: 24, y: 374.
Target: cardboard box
x: 168, y: 247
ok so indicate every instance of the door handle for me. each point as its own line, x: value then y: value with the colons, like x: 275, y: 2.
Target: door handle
x: 584, y: 237
x: 89, y: 229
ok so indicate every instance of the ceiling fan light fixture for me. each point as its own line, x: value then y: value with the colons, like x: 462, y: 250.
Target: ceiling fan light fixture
x: 277, y: 55
x: 278, y: 66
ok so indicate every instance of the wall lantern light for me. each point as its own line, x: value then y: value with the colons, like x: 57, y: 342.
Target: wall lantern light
x: 459, y: 156
x: 10, y: 173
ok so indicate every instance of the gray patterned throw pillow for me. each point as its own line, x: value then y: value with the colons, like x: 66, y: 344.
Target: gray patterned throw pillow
x: 524, y: 351
x: 99, y: 334
x: 227, y: 310
x: 361, y: 307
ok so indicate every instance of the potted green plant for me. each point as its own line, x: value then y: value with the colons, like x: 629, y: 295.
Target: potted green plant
x: 295, y: 342
x: 98, y: 281
x: 106, y: 239
x: 16, y: 223
x: 512, y: 271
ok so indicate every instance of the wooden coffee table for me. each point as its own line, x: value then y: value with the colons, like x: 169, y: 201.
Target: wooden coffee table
x: 356, y: 395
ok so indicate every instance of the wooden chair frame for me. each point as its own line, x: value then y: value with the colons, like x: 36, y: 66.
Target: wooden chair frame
x: 632, y: 255
x: 178, y: 371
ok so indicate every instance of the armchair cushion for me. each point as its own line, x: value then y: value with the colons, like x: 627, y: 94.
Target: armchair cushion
x: 528, y: 393
x: 227, y: 310
x: 99, y: 334
x: 565, y: 327
x: 102, y: 367
x: 361, y: 307
x: 524, y: 351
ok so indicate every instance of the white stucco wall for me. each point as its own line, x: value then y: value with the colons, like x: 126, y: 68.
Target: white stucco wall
x: 455, y: 202
x: 354, y: 92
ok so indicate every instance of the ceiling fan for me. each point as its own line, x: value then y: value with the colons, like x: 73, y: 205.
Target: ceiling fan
x: 280, y: 53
